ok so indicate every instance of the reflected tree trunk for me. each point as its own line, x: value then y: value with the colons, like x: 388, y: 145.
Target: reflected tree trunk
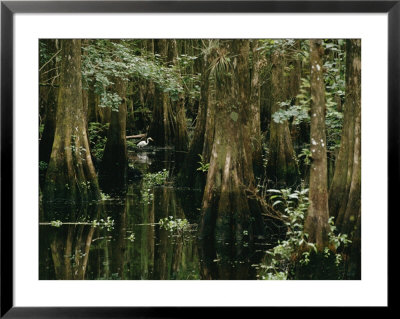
x: 70, y: 245
x: 118, y: 244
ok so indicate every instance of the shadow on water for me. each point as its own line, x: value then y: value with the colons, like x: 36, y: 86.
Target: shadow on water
x: 85, y: 245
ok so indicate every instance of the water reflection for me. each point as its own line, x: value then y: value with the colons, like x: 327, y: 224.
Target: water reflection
x: 136, y: 247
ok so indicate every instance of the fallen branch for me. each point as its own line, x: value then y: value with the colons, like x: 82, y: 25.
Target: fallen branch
x: 136, y: 136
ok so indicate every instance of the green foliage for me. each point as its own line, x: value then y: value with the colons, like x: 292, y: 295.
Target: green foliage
x: 149, y: 181
x: 177, y: 225
x: 286, y: 47
x: 106, y: 60
x: 104, y: 196
x: 299, y: 112
x: 44, y: 53
x: 56, y: 223
x: 337, y: 239
x: 334, y: 77
x: 155, y: 179
x: 335, y: 90
x: 190, y: 81
x: 296, y: 247
x: 131, y: 237
x: 97, y: 133
x: 42, y: 166
x: 107, y: 223
x: 41, y: 129
x: 203, y: 166
x: 131, y: 145
x: 221, y: 66
x: 306, y: 155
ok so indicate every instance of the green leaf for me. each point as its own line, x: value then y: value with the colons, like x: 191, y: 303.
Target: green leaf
x: 276, y: 203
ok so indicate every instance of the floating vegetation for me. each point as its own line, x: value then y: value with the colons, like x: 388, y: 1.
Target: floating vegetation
x: 104, y: 196
x: 107, y: 223
x: 149, y: 181
x: 131, y: 237
x: 178, y: 225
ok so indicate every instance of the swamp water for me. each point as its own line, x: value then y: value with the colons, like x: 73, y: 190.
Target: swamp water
x: 121, y: 237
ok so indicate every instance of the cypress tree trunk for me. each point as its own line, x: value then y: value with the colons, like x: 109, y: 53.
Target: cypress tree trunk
x: 160, y: 128
x: 189, y: 174
x: 70, y: 175
x: 181, y: 139
x: 281, y: 159
x: 169, y: 120
x: 345, y: 190
x: 114, y: 162
x: 48, y: 94
x: 316, y: 223
x: 227, y: 210
x: 255, y: 133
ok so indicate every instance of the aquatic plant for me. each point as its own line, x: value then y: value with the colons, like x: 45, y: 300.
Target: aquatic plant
x: 149, y: 181
x: 102, y: 223
x: 203, y: 166
x: 296, y: 247
x: 179, y: 225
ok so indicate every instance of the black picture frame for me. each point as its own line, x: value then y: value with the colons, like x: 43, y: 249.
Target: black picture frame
x: 9, y: 8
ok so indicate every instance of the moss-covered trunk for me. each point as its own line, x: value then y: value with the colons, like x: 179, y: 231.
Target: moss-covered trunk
x: 282, y: 165
x: 181, y: 139
x: 70, y: 176
x: 255, y: 131
x: 345, y: 190
x: 189, y: 175
x: 316, y: 223
x: 228, y: 214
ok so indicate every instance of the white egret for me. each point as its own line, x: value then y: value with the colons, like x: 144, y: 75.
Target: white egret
x: 144, y: 143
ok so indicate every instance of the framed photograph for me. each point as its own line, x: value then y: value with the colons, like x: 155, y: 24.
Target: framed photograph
x: 159, y: 155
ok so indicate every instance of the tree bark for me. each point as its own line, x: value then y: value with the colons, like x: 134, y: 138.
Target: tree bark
x: 114, y: 162
x: 255, y: 132
x: 160, y: 128
x: 48, y: 98
x: 188, y: 174
x: 316, y: 223
x: 345, y: 190
x: 228, y: 213
x: 281, y: 159
x: 169, y: 121
x: 181, y: 139
x: 70, y: 175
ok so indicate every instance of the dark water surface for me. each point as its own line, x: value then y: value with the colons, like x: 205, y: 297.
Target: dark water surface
x: 135, y: 246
